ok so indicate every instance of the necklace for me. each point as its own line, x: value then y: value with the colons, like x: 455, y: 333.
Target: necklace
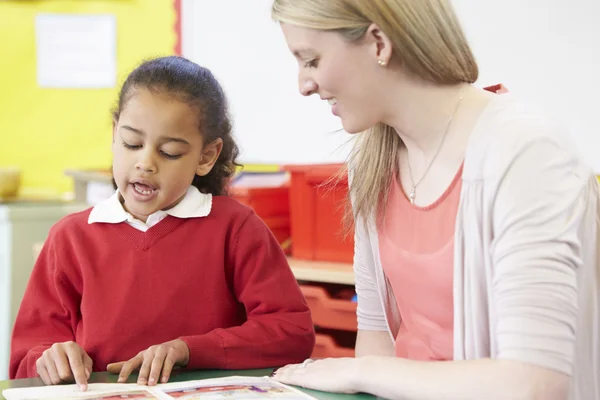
x: 413, y: 191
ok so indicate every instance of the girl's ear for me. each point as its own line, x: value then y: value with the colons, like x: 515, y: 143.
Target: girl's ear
x: 114, y: 129
x: 210, y: 155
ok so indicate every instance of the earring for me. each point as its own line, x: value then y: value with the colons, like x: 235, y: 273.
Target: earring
x: 382, y: 63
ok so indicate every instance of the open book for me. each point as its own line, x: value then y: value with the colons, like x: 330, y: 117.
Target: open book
x: 231, y: 388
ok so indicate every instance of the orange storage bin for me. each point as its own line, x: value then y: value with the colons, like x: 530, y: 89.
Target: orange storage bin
x: 317, y: 212
x: 328, y: 312
x: 326, y: 346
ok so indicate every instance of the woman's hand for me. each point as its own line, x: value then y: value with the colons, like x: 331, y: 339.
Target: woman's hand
x: 158, y: 360
x: 399, y: 378
x: 65, y: 362
x: 329, y: 375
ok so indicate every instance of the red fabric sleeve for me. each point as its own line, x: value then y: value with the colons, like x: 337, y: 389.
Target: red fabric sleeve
x: 48, y: 313
x: 279, y: 328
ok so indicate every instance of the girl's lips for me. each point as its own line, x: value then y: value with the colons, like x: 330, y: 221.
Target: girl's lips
x: 142, y: 192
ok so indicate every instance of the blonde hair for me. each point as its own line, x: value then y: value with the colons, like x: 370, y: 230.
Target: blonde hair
x: 429, y: 42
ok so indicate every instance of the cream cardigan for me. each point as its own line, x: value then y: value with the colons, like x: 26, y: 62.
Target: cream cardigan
x: 526, y: 262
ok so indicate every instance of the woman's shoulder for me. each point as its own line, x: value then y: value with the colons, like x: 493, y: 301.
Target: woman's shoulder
x: 506, y: 128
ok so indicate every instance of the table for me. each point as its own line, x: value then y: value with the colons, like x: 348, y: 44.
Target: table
x: 178, y: 376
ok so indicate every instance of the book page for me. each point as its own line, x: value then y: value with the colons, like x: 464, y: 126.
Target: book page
x: 231, y: 388
x: 234, y: 387
x: 96, y: 391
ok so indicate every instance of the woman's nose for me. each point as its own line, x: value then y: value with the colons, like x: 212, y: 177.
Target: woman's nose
x: 307, y: 87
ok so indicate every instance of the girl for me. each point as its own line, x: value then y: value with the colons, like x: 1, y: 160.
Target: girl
x: 476, y: 257
x: 169, y: 271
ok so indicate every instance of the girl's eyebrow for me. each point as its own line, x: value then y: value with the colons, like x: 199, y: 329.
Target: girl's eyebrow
x: 164, y: 139
x: 167, y: 139
x: 129, y: 128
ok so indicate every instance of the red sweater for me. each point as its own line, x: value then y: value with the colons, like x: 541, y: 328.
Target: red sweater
x: 221, y: 283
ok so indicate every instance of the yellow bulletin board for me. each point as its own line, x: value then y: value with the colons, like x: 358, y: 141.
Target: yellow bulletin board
x: 46, y: 131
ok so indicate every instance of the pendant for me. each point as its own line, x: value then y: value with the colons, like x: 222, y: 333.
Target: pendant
x: 412, y: 195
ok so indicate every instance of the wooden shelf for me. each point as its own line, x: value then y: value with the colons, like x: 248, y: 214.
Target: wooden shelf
x: 322, y: 271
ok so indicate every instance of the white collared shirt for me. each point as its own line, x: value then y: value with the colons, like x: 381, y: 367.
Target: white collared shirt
x: 193, y: 205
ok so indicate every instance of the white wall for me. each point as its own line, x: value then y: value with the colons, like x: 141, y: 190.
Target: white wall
x: 246, y: 51
x: 546, y: 51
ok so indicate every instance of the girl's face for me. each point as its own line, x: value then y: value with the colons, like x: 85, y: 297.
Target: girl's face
x: 345, y: 74
x: 157, y: 151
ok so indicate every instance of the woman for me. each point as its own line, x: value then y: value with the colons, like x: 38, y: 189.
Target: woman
x: 476, y: 220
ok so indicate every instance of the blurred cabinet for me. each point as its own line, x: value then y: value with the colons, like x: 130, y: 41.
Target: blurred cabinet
x: 22, y: 225
x: 329, y: 291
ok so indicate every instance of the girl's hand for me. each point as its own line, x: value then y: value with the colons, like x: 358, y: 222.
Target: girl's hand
x: 338, y: 375
x: 65, y: 362
x: 157, y: 361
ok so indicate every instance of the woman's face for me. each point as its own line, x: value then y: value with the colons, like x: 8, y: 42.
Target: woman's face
x: 346, y: 74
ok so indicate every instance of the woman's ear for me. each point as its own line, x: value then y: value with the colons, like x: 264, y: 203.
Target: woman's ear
x: 382, y: 45
x: 210, y: 155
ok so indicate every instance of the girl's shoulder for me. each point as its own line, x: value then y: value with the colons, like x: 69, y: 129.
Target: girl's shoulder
x: 230, y: 206
x: 227, y: 211
x: 72, y: 223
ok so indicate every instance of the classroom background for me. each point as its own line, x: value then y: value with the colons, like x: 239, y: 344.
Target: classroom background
x: 62, y: 62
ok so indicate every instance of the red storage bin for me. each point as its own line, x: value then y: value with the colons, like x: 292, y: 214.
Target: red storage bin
x: 317, y: 212
x: 280, y: 227
x: 266, y: 201
x: 328, y: 312
x: 326, y: 346
x: 272, y: 205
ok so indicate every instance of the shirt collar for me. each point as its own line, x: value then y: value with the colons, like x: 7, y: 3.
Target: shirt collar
x: 193, y: 205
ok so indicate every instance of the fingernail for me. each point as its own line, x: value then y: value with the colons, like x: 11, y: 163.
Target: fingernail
x: 82, y: 387
x: 121, y: 380
x: 151, y: 381
x: 165, y: 379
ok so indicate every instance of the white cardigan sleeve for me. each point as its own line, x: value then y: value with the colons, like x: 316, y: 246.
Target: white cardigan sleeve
x: 369, y: 311
x: 536, y: 250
